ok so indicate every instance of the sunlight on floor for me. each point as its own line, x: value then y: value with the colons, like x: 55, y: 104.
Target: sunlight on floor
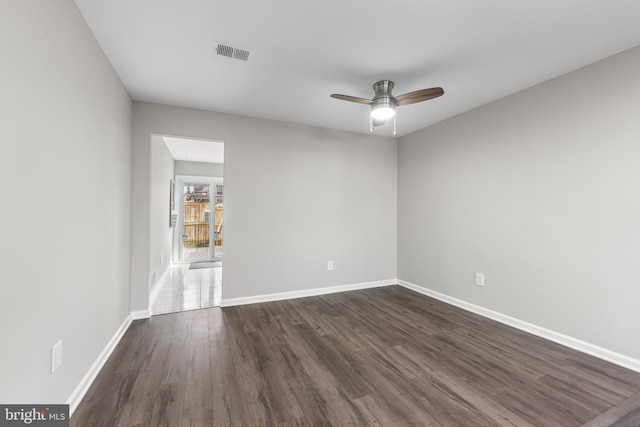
x: 189, y: 289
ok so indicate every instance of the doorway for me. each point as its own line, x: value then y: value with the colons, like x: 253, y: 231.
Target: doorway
x: 196, y: 234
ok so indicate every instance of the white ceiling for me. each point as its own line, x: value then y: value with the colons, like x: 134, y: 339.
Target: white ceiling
x: 195, y: 150
x: 302, y: 51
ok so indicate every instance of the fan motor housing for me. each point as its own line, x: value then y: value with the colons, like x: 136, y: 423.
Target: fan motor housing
x: 383, y: 89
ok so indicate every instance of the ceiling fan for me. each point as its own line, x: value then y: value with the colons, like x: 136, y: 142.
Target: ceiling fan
x: 383, y: 104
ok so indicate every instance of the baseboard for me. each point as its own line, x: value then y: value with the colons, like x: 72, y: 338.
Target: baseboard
x: 82, y: 388
x: 156, y: 286
x: 304, y: 293
x: 141, y: 314
x: 567, y: 341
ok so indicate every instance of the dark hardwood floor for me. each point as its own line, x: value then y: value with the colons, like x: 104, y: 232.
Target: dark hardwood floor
x: 385, y: 356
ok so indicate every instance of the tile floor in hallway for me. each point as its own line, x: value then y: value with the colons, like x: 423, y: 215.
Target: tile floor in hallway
x: 186, y: 288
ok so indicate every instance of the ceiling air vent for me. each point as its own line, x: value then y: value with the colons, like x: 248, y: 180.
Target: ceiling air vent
x: 232, y: 52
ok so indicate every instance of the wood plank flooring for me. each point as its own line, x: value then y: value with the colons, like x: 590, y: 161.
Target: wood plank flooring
x: 384, y: 356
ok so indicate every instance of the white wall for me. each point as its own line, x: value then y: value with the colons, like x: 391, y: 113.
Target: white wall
x: 295, y: 197
x: 161, y: 236
x: 538, y: 191
x: 65, y: 168
x: 199, y: 169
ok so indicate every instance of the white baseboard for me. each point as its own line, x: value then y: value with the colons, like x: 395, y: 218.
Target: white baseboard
x: 141, y: 314
x: 82, y: 388
x: 304, y: 293
x: 156, y: 286
x: 567, y: 341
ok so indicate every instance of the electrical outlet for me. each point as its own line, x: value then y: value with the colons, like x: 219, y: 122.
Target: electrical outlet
x: 161, y: 258
x: 56, y: 356
x: 479, y: 279
x: 330, y: 265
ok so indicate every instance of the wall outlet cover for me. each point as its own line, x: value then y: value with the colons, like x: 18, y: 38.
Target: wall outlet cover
x: 479, y: 279
x: 56, y: 356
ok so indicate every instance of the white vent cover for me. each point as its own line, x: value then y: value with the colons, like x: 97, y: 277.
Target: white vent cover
x: 232, y: 52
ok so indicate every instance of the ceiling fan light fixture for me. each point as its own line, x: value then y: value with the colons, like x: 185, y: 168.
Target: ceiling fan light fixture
x: 383, y: 109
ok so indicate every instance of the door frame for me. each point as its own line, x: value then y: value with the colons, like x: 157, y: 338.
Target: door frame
x: 180, y: 181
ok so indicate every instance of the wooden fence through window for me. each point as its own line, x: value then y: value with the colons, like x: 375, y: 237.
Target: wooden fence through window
x: 196, y: 225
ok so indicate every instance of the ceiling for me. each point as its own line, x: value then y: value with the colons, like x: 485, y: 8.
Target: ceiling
x: 195, y: 150
x: 303, y: 51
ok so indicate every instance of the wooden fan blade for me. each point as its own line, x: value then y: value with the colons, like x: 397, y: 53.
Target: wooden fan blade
x: 352, y: 99
x: 419, y: 96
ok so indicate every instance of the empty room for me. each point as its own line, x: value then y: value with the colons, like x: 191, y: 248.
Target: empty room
x: 417, y: 213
